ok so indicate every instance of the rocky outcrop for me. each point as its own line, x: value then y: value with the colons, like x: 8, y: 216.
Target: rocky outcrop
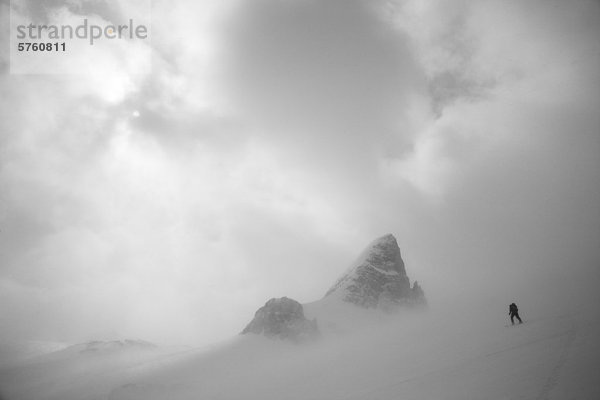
x: 417, y: 294
x: 282, y: 318
x: 378, y: 278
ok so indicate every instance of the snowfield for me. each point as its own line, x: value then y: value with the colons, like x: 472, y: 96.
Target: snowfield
x: 362, y: 354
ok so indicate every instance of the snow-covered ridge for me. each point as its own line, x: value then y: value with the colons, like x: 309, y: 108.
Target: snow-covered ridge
x: 98, y: 346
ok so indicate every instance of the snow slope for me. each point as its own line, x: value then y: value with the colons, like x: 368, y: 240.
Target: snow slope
x: 363, y: 354
x: 82, y: 371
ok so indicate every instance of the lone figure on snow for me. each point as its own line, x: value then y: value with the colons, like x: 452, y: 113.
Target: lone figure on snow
x: 513, y: 311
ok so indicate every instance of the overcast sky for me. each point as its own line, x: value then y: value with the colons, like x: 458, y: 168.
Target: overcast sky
x: 272, y: 140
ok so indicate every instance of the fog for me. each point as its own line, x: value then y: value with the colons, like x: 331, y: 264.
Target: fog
x: 443, y: 353
x: 271, y: 141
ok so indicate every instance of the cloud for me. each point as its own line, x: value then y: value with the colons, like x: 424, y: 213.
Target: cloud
x: 320, y: 75
x: 272, y: 140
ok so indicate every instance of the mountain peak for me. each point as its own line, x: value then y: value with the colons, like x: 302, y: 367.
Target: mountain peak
x: 383, y: 253
x: 378, y: 278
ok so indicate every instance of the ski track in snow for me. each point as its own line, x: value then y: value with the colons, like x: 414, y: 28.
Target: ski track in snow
x: 567, y: 336
x: 564, y: 355
x: 567, y: 333
x: 545, y: 390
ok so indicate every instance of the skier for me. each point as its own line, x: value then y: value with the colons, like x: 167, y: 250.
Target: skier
x: 513, y: 311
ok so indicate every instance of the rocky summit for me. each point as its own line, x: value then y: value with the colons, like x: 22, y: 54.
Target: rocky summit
x: 282, y: 318
x: 378, y: 279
